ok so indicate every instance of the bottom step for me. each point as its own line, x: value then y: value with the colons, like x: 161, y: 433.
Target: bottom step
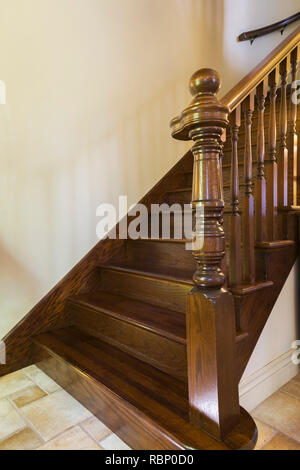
x: 145, y: 407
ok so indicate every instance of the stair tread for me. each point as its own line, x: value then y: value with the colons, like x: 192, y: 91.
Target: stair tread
x: 165, y: 322
x: 157, y: 396
x: 183, y: 277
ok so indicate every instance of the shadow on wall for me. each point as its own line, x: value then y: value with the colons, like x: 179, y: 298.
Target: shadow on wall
x: 65, y: 152
x: 77, y: 131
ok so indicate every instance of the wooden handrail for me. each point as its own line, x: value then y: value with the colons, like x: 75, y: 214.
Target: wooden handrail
x: 240, y: 91
x: 256, y: 33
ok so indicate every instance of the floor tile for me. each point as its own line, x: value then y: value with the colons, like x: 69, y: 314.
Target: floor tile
x: 13, y: 383
x: 265, y: 433
x: 55, y: 413
x: 41, y: 379
x: 27, y: 395
x: 10, y: 421
x: 113, y: 442
x: 282, y: 412
x: 281, y: 442
x: 292, y: 388
x: 73, y: 439
x: 66, y: 425
x: 96, y: 428
x: 23, y: 440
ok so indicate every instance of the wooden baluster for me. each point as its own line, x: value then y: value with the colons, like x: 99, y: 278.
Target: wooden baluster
x: 235, y: 275
x: 292, y: 139
x: 211, y: 354
x: 223, y: 140
x: 282, y: 154
x: 271, y: 163
x: 223, y: 265
x: 248, y: 203
x: 260, y: 191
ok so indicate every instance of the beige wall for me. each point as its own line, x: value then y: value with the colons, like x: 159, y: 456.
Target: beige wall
x: 91, y: 88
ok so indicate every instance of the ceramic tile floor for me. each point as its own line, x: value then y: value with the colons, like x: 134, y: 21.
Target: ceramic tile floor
x: 36, y: 413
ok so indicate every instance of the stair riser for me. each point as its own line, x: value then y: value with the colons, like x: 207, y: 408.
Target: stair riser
x: 121, y: 418
x: 179, y: 197
x: 162, y: 353
x: 159, y: 255
x: 155, y: 291
x: 188, y: 180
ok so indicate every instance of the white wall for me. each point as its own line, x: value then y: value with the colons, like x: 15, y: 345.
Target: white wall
x: 238, y: 58
x: 91, y: 88
x: 279, y: 332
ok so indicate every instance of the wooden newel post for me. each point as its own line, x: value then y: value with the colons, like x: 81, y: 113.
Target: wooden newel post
x: 213, y: 385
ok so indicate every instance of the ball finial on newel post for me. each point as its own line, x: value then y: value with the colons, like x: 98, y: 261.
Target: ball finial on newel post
x: 205, y: 81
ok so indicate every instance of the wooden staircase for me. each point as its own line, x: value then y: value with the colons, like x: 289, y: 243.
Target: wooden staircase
x: 154, y: 339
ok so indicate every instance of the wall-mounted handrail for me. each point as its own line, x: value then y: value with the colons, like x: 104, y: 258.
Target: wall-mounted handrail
x: 240, y: 91
x: 279, y: 25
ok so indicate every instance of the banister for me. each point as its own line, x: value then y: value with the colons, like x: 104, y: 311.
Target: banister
x: 240, y: 91
x: 256, y: 33
x: 211, y: 319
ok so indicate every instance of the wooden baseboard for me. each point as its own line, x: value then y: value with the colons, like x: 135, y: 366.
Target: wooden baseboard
x: 261, y: 384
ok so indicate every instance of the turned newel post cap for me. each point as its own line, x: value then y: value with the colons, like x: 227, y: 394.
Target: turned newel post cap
x: 205, y: 109
x: 205, y: 81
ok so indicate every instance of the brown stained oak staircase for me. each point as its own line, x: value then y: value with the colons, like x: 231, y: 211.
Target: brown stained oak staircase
x: 153, y: 338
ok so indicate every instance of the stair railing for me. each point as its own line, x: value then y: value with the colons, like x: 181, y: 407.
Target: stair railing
x: 276, y: 163
x: 211, y: 326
